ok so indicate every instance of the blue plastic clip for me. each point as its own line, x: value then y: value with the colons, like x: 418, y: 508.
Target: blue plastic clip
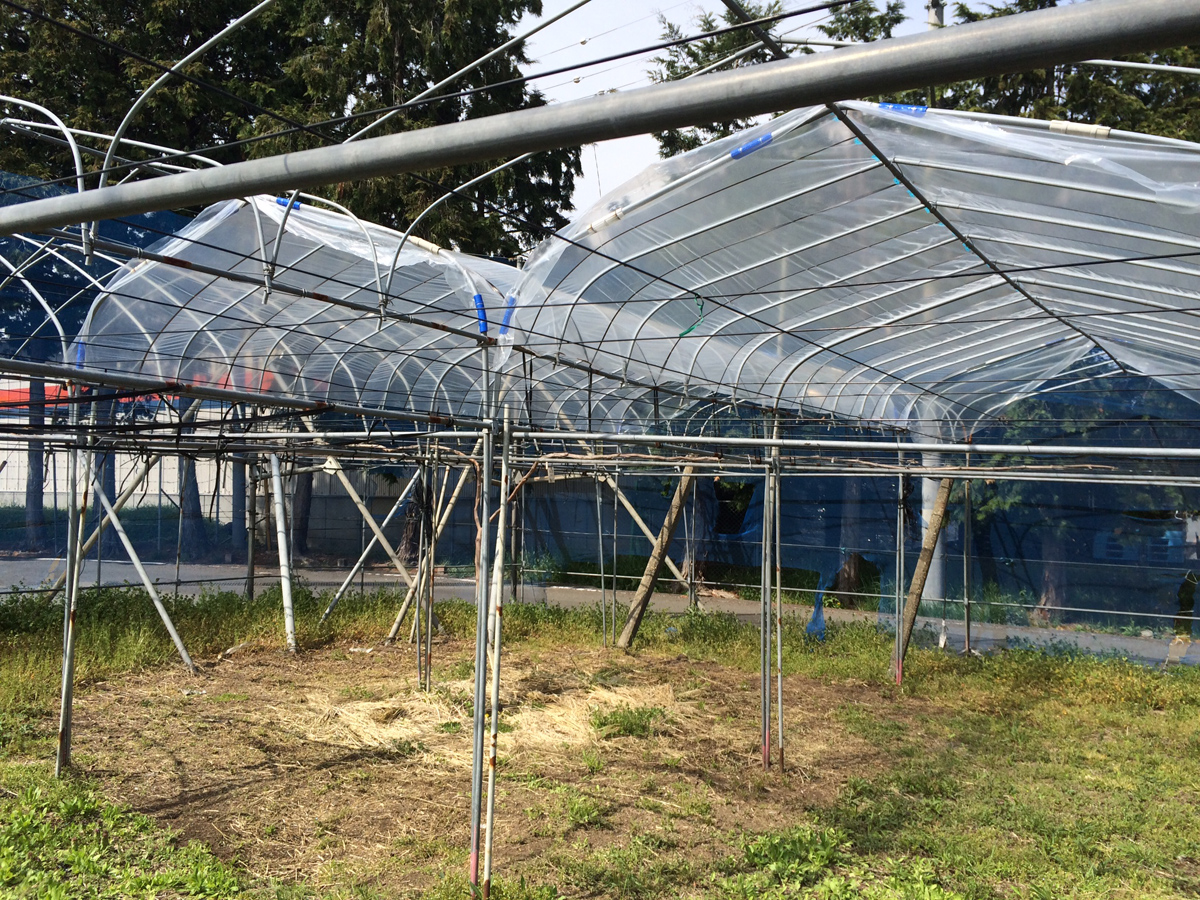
x: 905, y: 108
x: 750, y: 146
x: 509, y: 309
x: 481, y: 313
x: 282, y: 201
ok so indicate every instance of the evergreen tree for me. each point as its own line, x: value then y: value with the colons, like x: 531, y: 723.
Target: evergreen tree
x: 306, y: 61
x: 862, y: 22
x: 856, y: 22
x: 1149, y: 102
x: 681, y: 61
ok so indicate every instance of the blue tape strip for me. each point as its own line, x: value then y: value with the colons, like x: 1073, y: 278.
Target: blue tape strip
x: 481, y: 313
x: 905, y: 109
x: 80, y: 352
x: 750, y: 146
x: 282, y: 201
x: 509, y: 308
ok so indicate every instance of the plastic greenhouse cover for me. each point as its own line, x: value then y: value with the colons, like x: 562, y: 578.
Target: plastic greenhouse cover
x: 895, y: 266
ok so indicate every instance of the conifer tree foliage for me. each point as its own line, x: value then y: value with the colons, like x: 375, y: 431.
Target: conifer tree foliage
x: 307, y: 61
x: 1149, y: 102
x: 681, y: 61
x: 1153, y: 103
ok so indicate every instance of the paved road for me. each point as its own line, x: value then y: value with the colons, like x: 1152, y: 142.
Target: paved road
x: 984, y: 638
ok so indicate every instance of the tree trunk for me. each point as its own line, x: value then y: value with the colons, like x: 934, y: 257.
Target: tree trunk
x: 984, y: 555
x: 237, y: 533
x: 105, y: 466
x: 1054, y: 575
x: 195, y: 535
x: 847, y: 584
x: 301, y: 511
x: 35, y: 516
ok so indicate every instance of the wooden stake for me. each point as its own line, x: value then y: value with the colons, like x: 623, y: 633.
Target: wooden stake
x: 912, y: 603
x: 641, y: 599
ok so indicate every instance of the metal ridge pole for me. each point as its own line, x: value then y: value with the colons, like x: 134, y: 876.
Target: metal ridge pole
x: 864, y: 446
x: 995, y: 46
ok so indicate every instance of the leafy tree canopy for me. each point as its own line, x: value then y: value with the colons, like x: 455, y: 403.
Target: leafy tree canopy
x: 308, y: 62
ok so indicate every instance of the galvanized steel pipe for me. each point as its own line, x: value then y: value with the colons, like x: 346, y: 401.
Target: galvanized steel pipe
x: 1031, y: 40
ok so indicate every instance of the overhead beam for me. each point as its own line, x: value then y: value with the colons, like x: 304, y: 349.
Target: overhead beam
x: 1020, y: 43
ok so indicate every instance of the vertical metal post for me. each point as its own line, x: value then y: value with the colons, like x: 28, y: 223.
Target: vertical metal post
x: 63, y: 759
x: 54, y: 489
x: 158, y: 545
x: 968, y: 524
x: 616, y: 483
x: 600, y: 561
x: 63, y: 756
x: 418, y: 584
x: 431, y: 537
x: 101, y: 466
x: 251, y: 523
x: 285, y: 564
x: 482, y: 570
x: 900, y: 565
x: 778, y: 604
x: 689, y: 523
x: 181, y: 480
x: 237, y: 499
x: 497, y: 612
x: 764, y: 668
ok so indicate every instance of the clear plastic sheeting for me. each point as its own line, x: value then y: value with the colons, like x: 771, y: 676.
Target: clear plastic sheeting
x: 895, y: 266
x: 898, y: 267
x: 183, y: 325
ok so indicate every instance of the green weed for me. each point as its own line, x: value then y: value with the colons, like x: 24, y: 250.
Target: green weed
x: 629, y: 721
x: 61, y: 839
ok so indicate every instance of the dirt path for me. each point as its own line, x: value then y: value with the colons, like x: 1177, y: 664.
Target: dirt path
x: 331, y: 768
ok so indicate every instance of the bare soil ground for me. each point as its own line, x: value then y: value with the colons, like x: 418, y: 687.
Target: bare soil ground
x: 332, y: 769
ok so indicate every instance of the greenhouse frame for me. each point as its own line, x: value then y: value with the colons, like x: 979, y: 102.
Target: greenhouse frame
x: 786, y: 364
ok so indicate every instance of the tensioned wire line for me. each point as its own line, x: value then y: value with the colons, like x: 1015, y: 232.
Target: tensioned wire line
x: 237, y: 324
x: 694, y: 399
x: 371, y: 311
x: 686, y: 376
x: 296, y: 127
x: 742, y: 315
x: 737, y: 52
x: 828, y: 351
x: 678, y: 287
x: 801, y: 291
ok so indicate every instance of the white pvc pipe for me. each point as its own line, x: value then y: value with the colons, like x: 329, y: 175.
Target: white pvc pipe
x: 285, y: 563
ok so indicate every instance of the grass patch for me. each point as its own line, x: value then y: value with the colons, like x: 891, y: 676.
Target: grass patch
x: 61, y: 839
x: 1026, y: 773
x: 629, y: 721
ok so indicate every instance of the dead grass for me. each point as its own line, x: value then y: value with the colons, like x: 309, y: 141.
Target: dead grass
x: 332, y: 769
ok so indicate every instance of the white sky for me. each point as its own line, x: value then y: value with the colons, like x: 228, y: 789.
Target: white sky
x: 606, y: 27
